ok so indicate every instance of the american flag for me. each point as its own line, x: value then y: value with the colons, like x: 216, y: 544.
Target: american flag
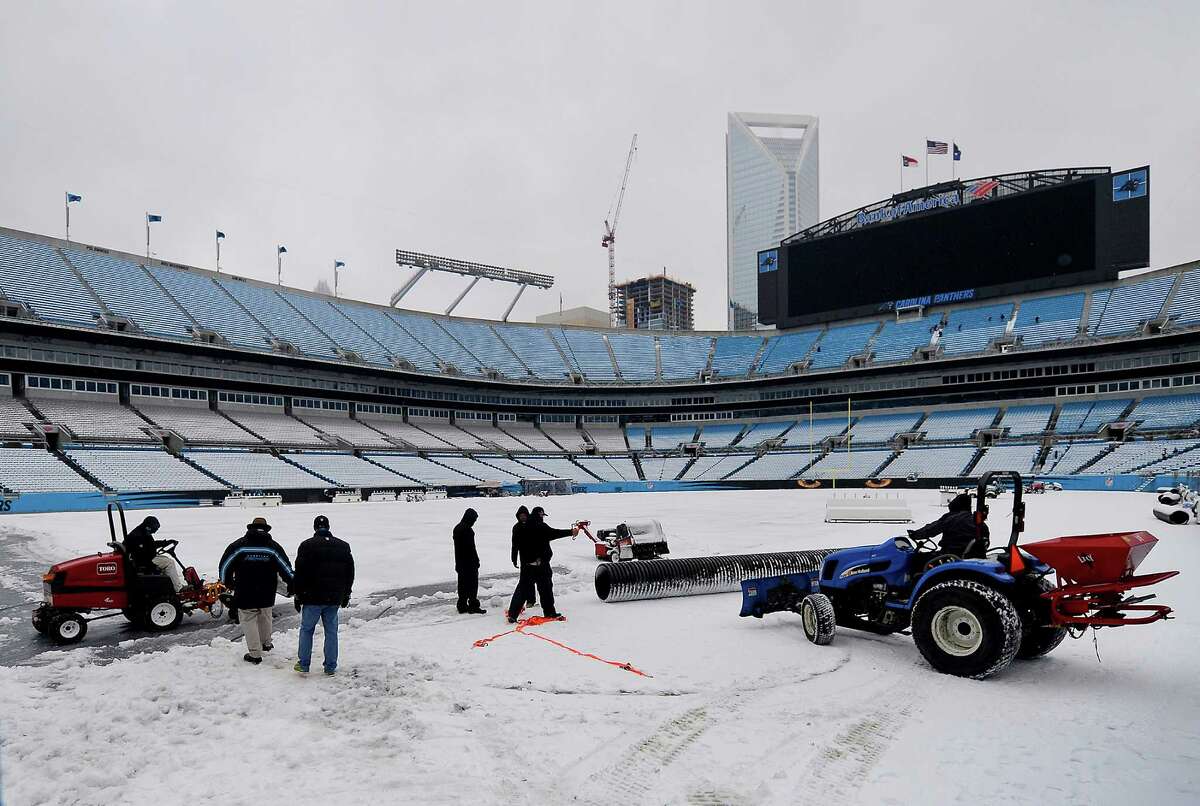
x: 907, y: 162
x: 935, y: 147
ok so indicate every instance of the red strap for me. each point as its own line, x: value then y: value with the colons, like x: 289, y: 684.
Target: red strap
x: 534, y: 621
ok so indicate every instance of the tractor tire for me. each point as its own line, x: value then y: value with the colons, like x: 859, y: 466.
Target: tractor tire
x: 130, y: 615
x: 67, y: 628
x: 818, y: 618
x: 1039, y: 637
x: 965, y: 628
x: 41, y: 622
x: 162, y: 614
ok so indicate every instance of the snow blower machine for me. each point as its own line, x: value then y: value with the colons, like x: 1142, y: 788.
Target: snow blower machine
x: 628, y: 541
x: 100, y: 586
x: 972, y: 617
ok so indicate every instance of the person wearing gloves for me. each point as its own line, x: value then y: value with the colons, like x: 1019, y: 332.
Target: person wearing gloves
x: 522, y: 519
x: 251, y: 567
x: 960, y: 534
x: 535, y: 554
x: 466, y: 563
x: 322, y: 583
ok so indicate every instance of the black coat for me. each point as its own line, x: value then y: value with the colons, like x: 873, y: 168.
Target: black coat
x: 957, y: 530
x: 533, y: 540
x: 140, y: 547
x: 324, y: 571
x: 466, y: 558
x: 252, y: 566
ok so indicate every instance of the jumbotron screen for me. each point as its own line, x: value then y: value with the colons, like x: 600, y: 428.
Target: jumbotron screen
x: 1067, y: 234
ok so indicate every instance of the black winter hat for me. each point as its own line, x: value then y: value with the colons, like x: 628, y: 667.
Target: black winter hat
x: 961, y: 503
x: 522, y: 510
x: 537, y: 512
x: 151, y: 523
x: 320, y: 522
x: 470, y: 516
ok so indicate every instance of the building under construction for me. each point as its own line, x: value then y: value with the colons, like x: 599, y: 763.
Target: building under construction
x: 655, y: 303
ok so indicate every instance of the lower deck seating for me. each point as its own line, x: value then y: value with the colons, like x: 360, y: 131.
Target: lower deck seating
x: 876, y: 428
x: 276, y: 427
x: 423, y: 471
x: 13, y: 416
x: 714, y: 467
x: 720, y: 436
x: 1129, y: 457
x: 609, y: 468
x: 529, y: 435
x: 249, y: 470
x: 664, y: 468
x: 609, y: 438
x: 481, y: 467
x: 347, y: 470
x: 196, y: 424
x: 770, y: 467
x: 352, y: 431
x: 1069, y: 458
x: 36, y: 470
x: 557, y: 467
x: 931, y: 462
x: 101, y: 418
x: 407, y: 434
x: 487, y: 434
x: 1007, y: 457
x: 565, y: 435
x: 146, y: 470
x: 854, y: 464
x: 957, y: 423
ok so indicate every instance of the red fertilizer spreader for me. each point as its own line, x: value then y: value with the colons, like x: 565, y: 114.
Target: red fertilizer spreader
x: 1094, y: 574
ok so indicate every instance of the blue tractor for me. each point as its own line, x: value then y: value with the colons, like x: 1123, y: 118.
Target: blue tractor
x: 968, y: 617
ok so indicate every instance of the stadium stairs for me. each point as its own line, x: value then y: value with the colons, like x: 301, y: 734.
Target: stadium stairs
x: 78, y: 468
x: 284, y: 457
x: 181, y: 457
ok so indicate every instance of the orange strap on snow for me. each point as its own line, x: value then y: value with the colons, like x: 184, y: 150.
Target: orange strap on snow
x: 534, y: 621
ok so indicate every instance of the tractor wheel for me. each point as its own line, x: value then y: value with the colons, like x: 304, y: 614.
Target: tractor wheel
x: 130, y: 615
x: 162, y: 614
x: 818, y: 618
x: 966, y: 628
x: 67, y: 628
x: 41, y: 622
x: 1040, y: 636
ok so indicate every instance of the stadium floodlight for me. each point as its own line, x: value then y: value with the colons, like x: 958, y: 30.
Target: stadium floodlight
x: 424, y: 263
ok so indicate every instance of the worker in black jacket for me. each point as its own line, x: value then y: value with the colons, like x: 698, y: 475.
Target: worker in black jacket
x: 960, y: 535
x: 251, y: 567
x: 322, y: 583
x: 140, y: 545
x: 535, y: 554
x: 522, y: 518
x: 466, y: 564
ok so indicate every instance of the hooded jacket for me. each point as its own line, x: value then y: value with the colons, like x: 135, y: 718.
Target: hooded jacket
x: 516, y: 532
x: 534, y: 541
x: 957, y: 528
x: 140, y: 545
x: 466, y: 558
x: 324, y: 570
x: 251, y: 566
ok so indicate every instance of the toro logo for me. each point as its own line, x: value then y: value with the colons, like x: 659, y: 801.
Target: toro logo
x: 1087, y: 559
x: 106, y: 569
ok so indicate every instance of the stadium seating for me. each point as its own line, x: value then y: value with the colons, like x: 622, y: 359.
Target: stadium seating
x: 1025, y: 420
x: 529, y: 434
x: 784, y: 350
x: 249, y: 470
x: 840, y: 343
x: 483, y: 343
x: 1042, y: 320
x: 663, y: 468
x: 683, y: 357
x: 276, y: 427
x: 127, y: 290
x: 93, y: 417
x: 1129, y: 457
x: 564, y: 435
x: 1184, y: 461
x: 635, y: 355
x: 437, y: 341
x: 36, y: 275
x: 34, y: 470
x: 405, y: 433
x: 875, y: 428
x: 195, y: 424
x: 397, y: 341
x: 636, y: 434
x: 141, y: 470
x: 897, y: 341
x: 210, y: 306
x: 424, y: 471
x: 280, y: 318
x: 957, y: 423
x: 503, y: 468
x: 1007, y: 457
x: 486, y: 435
x: 1066, y: 459
x: 720, y: 435
x: 13, y: 416
x: 1185, y: 305
x: 970, y: 330
x: 734, y: 355
x: 760, y: 432
x: 609, y: 468
x: 1125, y: 308
x: 1166, y: 411
x: 586, y: 353
x: 931, y: 462
x: 771, y: 466
x: 854, y: 464
x: 347, y: 470
x: 345, y: 333
x: 668, y: 437
x: 485, y: 468
x: 536, y: 349
x: 816, y: 432
x: 715, y: 467
x: 556, y: 467
x: 343, y: 427
x: 1086, y: 417
x: 608, y: 438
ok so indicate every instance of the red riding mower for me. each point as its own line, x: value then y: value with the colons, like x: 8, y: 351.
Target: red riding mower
x: 109, y: 585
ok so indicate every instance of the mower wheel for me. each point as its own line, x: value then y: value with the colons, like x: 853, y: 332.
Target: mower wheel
x: 965, y: 628
x: 1041, y: 637
x: 67, y: 628
x: 130, y: 615
x: 818, y: 617
x: 40, y: 620
x: 162, y: 614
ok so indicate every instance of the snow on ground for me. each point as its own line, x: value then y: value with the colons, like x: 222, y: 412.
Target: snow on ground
x: 736, y: 710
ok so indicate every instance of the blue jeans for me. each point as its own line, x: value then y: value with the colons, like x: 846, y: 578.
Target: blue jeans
x: 328, y: 616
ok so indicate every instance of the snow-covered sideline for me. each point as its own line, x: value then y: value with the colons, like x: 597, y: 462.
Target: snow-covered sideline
x: 735, y: 710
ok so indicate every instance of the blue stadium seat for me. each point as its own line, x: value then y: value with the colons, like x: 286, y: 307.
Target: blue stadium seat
x: 635, y: 355
x: 785, y: 350
x: 840, y: 343
x: 897, y: 341
x: 484, y: 344
x: 345, y: 333
x: 33, y: 273
x: 586, y: 349
x: 1127, y: 307
x: 1166, y: 411
x: 667, y: 437
x: 426, y: 330
x: 1185, y: 305
x: 971, y: 330
x: 683, y: 357
x: 536, y: 349
x: 734, y: 355
x: 127, y: 290
x: 957, y: 424
x: 212, y: 308
x: 720, y: 435
x: 398, y: 342
x: 280, y: 318
x: 1048, y: 319
x: 1025, y: 420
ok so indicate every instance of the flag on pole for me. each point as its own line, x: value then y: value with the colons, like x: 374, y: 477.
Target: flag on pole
x: 220, y: 235
x: 337, y: 264
x: 282, y: 250
x: 73, y: 197
x: 152, y: 217
x: 935, y: 147
x: 907, y: 162
x: 957, y: 152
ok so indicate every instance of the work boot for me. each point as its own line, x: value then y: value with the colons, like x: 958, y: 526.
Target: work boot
x: 300, y: 668
x: 512, y: 619
x: 268, y: 647
x: 555, y: 615
x: 477, y: 610
x: 251, y: 659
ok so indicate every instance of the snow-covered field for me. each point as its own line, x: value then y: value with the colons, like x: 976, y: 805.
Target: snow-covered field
x: 735, y: 710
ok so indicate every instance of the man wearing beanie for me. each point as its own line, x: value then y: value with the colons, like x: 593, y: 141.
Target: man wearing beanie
x: 251, y: 567
x: 324, y: 577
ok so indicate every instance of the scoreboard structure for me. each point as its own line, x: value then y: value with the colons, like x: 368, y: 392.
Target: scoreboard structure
x: 961, y: 240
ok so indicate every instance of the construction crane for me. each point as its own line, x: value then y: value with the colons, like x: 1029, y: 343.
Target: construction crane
x: 610, y: 239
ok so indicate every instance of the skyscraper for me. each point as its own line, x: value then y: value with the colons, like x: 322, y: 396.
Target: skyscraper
x: 771, y: 192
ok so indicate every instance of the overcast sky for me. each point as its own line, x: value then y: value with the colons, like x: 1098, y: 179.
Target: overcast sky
x: 498, y: 131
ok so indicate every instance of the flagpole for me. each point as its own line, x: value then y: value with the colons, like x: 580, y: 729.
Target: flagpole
x: 147, y: 236
x: 218, y: 240
x: 902, y: 174
x: 278, y: 267
x: 67, y: 207
x: 927, y: 163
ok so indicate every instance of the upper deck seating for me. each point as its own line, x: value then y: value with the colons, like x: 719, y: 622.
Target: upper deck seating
x: 1042, y: 320
x: 35, y: 274
x: 636, y: 357
x: 397, y: 342
x: 212, y: 307
x: 1125, y: 308
x: 127, y: 290
x: 280, y: 318
x: 196, y: 424
x: 536, y: 349
x: 333, y: 322
x: 734, y: 355
x: 93, y: 417
x: 1029, y: 419
x: 586, y: 353
x: 683, y: 357
x: 483, y: 343
x: 898, y: 341
x: 786, y: 349
x: 971, y: 330
x: 840, y: 343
